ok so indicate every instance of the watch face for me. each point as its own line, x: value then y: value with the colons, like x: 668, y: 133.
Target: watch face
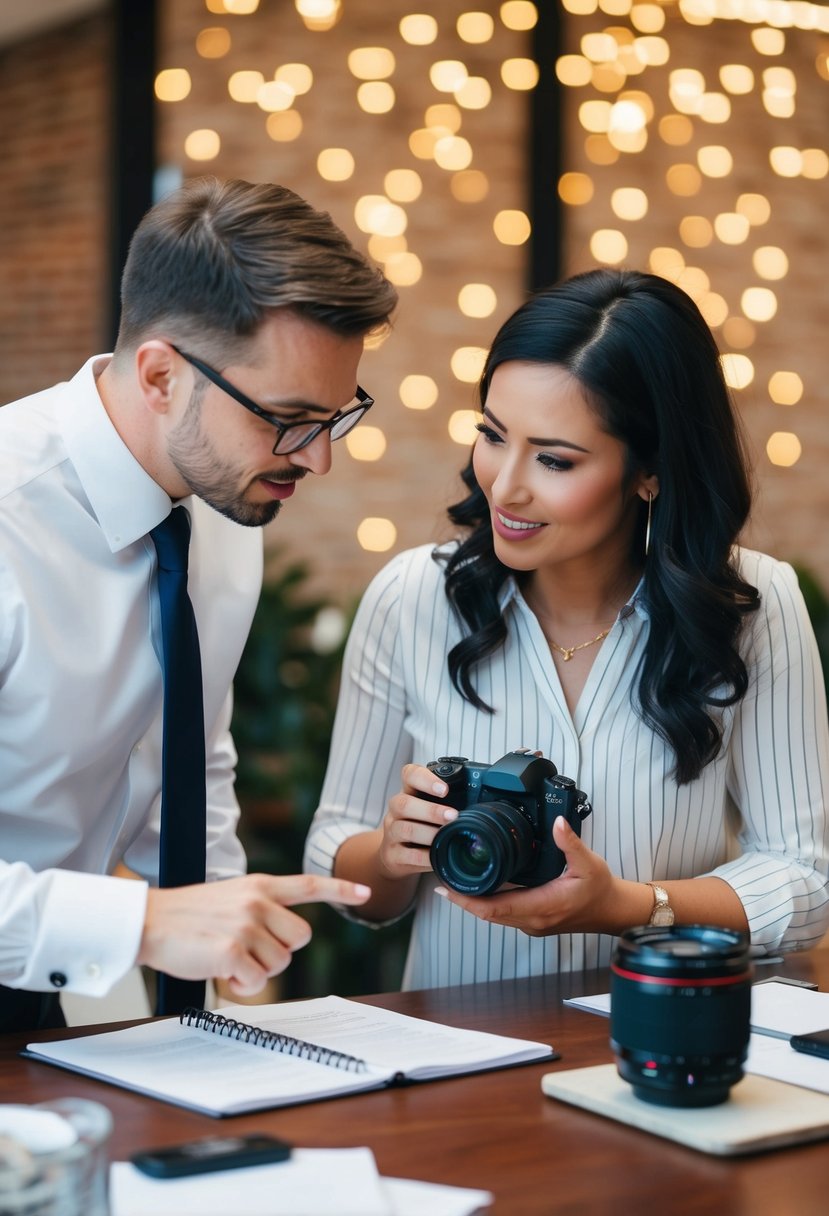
x: 662, y: 916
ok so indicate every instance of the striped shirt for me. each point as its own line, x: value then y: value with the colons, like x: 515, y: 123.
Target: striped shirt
x: 755, y: 817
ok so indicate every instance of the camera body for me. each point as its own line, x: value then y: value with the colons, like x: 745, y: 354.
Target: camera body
x: 504, y: 830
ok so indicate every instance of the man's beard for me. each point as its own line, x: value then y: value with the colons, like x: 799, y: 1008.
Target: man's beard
x: 210, y: 478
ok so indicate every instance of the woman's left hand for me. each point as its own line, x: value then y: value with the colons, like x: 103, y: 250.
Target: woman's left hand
x: 584, y: 899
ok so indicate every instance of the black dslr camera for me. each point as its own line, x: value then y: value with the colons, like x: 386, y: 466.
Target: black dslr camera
x: 504, y: 830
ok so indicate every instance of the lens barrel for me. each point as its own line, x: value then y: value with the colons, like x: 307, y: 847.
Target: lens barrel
x: 680, y: 1012
x: 483, y: 848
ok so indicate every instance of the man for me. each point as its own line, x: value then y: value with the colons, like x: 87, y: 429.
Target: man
x: 251, y: 280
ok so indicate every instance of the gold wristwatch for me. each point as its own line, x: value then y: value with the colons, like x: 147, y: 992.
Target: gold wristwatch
x: 663, y: 913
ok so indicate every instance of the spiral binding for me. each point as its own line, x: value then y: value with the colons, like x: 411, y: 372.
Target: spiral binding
x: 217, y: 1023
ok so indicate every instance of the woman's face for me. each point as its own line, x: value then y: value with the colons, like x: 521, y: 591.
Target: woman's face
x: 554, y: 480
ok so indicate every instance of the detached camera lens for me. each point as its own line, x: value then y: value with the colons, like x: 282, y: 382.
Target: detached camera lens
x: 680, y: 1010
x: 483, y: 848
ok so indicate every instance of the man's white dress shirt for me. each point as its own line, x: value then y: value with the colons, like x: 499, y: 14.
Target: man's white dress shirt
x: 81, y: 686
x: 755, y: 817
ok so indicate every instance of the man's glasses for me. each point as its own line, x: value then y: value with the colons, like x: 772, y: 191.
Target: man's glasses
x: 290, y: 436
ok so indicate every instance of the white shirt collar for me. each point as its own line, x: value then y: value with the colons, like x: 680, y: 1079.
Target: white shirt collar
x: 124, y: 498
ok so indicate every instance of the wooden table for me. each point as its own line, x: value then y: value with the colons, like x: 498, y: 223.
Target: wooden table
x: 494, y: 1130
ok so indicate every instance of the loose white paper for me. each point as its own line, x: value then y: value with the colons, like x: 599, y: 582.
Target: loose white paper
x: 315, y: 1182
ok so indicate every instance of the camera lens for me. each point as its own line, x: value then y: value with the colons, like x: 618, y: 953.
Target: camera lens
x: 680, y: 1011
x: 483, y: 848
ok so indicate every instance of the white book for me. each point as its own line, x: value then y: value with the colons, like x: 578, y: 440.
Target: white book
x: 251, y: 1057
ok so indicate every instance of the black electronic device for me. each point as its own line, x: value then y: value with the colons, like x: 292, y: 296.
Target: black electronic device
x: 210, y: 1154
x: 814, y: 1044
x: 504, y: 832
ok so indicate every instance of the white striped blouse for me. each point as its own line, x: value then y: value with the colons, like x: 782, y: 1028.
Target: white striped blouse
x: 755, y: 817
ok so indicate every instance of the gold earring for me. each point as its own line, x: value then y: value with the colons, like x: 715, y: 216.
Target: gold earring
x: 648, y: 528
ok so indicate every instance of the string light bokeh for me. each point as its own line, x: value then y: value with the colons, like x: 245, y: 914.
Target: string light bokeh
x: 407, y: 120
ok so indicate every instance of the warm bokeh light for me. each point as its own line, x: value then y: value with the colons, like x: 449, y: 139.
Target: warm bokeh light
x: 244, y: 86
x: 731, y: 227
x: 173, y: 84
x: 629, y: 203
x: 382, y: 247
x: 608, y: 245
x: 511, y: 227
x: 319, y: 15
x: 696, y: 231
x: 453, y: 152
x: 684, y: 180
x: 713, y: 308
x: 335, y: 164
x: 444, y: 115
x: 600, y: 151
x: 573, y: 70
x: 469, y: 186
x: 284, y: 126
x: 518, y: 14
x: 784, y: 449
x: 770, y: 262
x: 298, y: 75
x: 575, y: 189
x: 403, y: 185
x: 371, y: 62
x: 375, y: 97
x: 475, y: 27
x: 676, y: 130
x: 755, y: 207
x: 521, y: 74
x: 467, y: 363
x: 366, y: 442
x: 404, y: 269
x: 737, y: 369
x: 477, y: 300
x: 474, y: 94
x: 815, y: 163
x: 240, y: 8
x: 275, y: 95
x: 715, y: 160
x: 736, y: 78
x: 739, y: 333
x: 376, y: 213
x: 203, y: 144
x: 213, y: 42
x: 462, y: 427
x: 785, y: 388
x: 418, y: 392
x: 418, y: 29
x: 376, y: 535
x: 667, y: 262
x: 786, y: 161
x: 447, y: 75
x: 647, y: 18
x: 768, y: 41
x: 759, y: 303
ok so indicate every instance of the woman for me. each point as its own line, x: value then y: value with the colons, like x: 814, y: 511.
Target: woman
x: 594, y: 608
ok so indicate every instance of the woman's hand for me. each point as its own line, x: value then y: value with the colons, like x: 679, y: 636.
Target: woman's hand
x: 586, y: 898
x: 411, y: 824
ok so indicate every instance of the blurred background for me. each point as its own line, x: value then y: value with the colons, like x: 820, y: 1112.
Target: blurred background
x: 475, y: 149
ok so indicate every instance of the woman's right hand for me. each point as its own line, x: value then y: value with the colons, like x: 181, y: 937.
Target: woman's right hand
x: 411, y: 823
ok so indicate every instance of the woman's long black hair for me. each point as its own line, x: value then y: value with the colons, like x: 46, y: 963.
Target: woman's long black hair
x: 650, y: 367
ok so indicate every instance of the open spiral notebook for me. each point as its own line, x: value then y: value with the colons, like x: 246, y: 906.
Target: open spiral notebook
x: 321, y: 1048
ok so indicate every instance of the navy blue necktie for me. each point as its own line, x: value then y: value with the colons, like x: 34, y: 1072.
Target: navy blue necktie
x: 183, y: 794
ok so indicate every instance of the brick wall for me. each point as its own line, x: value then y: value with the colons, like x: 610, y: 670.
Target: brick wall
x: 54, y: 93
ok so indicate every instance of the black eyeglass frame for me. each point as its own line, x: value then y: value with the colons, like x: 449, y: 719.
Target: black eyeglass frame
x: 341, y: 423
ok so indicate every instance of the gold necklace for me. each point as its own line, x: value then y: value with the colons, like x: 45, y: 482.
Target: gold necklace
x: 567, y: 652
